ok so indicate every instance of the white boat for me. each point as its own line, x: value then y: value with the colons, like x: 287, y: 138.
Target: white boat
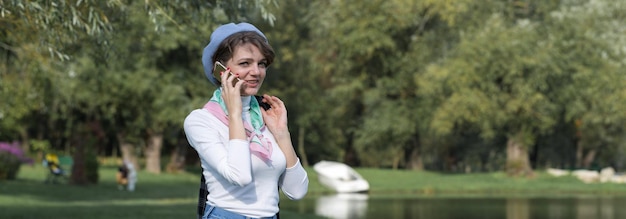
x: 340, y: 177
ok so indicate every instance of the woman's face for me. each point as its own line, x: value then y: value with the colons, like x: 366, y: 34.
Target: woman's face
x: 251, y: 65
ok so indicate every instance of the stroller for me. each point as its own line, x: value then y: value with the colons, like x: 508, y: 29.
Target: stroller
x: 56, y: 173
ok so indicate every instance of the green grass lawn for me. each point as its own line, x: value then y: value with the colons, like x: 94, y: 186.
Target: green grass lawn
x: 430, y: 183
x: 175, y: 195
x: 156, y: 196
x: 162, y: 196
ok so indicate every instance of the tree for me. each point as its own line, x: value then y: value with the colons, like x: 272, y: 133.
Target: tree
x: 520, y: 79
x: 146, y: 73
x: 56, y: 33
x: 587, y: 41
x: 496, y: 81
x: 371, y: 53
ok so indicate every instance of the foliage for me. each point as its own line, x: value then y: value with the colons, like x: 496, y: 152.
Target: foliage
x: 93, y: 47
x: 512, y: 77
x: 372, y: 83
x: 11, y: 158
x: 596, y: 90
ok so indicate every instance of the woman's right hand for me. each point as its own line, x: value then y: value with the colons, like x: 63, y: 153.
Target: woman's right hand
x: 231, y: 92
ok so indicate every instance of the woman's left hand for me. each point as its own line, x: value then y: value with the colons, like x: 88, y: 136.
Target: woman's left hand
x: 275, y: 118
x: 276, y: 121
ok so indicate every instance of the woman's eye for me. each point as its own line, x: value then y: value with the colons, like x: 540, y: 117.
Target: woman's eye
x: 263, y: 64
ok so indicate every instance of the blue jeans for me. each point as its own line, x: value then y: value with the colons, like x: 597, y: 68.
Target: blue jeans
x: 212, y: 212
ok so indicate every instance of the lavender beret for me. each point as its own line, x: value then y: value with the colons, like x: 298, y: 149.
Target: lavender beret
x: 221, y: 33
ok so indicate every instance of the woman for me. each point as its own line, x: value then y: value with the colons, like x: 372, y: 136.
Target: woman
x: 245, y: 151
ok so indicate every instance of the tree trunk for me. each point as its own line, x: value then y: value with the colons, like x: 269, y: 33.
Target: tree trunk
x: 153, y: 152
x: 589, y: 158
x: 79, y: 172
x: 517, y: 160
x: 128, y: 151
x: 79, y: 169
x: 412, y: 155
x: 584, y: 158
x: 303, y: 159
x: 350, y: 156
x: 579, y: 144
x: 178, y: 156
x: 396, y: 160
x: 25, y: 139
x: 579, y: 154
x: 413, y: 160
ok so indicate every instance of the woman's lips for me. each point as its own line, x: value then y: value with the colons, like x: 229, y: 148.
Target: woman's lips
x: 252, y: 83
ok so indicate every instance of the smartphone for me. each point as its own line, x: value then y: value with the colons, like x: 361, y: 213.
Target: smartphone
x: 217, y: 69
x: 263, y: 105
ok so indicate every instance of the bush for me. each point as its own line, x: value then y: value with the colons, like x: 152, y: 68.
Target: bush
x: 11, y: 158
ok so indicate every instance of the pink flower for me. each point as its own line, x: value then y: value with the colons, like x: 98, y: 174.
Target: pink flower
x: 15, y: 150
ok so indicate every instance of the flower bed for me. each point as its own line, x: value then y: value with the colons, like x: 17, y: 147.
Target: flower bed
x: 11, y: 158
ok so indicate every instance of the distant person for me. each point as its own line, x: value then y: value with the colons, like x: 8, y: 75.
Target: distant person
x: 132, y: 176
x: 243, y: 140
x: 121, y: 177
x: 126, y: 176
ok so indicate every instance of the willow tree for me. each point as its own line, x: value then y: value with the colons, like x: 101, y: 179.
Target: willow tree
x: 366, y: 56
x: 36, y: 36
x: 157, y: 82
x: 33, y: 35
x: 589, y: 41
x: 496, y: 81
x: 50, y: 37
x: 519, y: 79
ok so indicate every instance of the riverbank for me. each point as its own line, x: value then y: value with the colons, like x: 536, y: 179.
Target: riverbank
x: 498, y: 183
x: 175, y: 195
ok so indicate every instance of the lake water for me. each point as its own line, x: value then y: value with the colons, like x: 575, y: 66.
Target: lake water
x: 363, y: 206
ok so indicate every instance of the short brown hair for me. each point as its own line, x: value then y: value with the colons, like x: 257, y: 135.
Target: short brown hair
x: 225, y: 50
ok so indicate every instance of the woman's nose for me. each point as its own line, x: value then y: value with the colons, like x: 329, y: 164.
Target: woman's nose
x: 255, y: 70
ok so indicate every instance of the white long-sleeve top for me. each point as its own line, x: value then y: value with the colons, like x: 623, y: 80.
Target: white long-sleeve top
x: 237, y: 180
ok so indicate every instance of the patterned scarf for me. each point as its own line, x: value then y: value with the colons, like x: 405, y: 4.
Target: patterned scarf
x: 259, y: 145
